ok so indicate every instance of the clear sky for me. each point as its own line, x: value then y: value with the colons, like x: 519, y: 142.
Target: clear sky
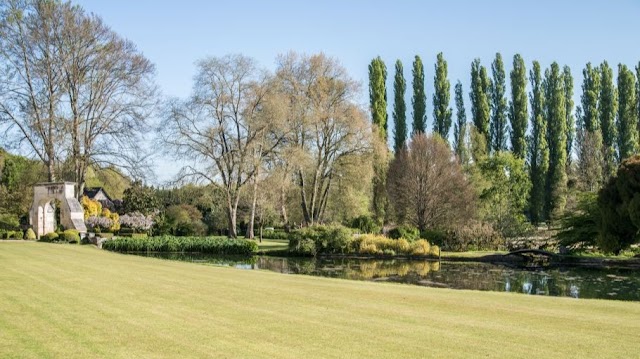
x: 175, y: 34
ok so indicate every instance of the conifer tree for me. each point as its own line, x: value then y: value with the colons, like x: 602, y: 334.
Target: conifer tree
x: 556, y: 187
x: 498, y: 135
x: 399, y: 108
x: 538, y: 149
x: 607, y: 108
x: 627, y: 121
x: 568, y: 105
x: 419, y: 99
x: 378, y: 95
x: 459, y: 130
x: 518, y: 107
x: 480, y: 100
x: 441, y: 98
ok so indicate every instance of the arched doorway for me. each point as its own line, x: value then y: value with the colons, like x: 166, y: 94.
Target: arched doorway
x: 42, y: 216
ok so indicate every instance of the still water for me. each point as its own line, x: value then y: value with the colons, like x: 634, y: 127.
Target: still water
x: 603, y: 283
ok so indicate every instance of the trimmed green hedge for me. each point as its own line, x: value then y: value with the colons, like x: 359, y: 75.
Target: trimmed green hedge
x: 208, y: 245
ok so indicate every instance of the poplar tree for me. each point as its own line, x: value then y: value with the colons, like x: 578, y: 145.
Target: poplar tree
x: 627, y: 121
x: 568, y: 106
x: 399, y: 108
x: 419, y: 100
x: 518, y: 107
x: 638, y: 96
x: 538, y: 149
x: 589, y: 137
x: 480, y: 100
x: 555, y: 113
x: 498, y: 136
x: 441, y: 98
x: 378, y: 95
x: 607, y: 108
x: 459, y: 129
x: 378, y: 98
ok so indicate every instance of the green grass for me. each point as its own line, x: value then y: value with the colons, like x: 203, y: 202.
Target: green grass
x: 69, y: 301
x: 269, y: 245
x: 471, y: 254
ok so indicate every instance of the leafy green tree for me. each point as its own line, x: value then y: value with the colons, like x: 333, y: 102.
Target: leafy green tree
x: 459, y: 130
x: 378, y: 95
x: 538, y: 148
x: 590, y: 97
x: 518, y: 107
x: 139, y: 198
x: 399, y: 108
x: 607, y: 108
x: 378, y: 98
x: 556, y: 188
x: 627, y: 121
x: 441, y: 97
x: 619, y: 203
x: 498, y: 88
x: 568, y: 105
x: 480, y: 100
x: 589, y: 137
x: 504, y: 195
x: 419, y: 99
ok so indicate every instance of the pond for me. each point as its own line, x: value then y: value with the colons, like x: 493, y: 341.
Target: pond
x: 602, y: 283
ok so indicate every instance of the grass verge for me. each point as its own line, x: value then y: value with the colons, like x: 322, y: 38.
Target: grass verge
x: 69, y: 301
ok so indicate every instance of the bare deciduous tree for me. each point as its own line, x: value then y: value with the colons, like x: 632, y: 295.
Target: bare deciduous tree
x: 72, y: 89
x: 326, y: 127
x: 220, y: 129
x: 427, y: 186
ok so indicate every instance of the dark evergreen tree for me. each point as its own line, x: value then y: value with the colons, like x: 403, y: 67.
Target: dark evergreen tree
x: 568, y: 106
x: 460, y: 128
x: 498, y: 88
x: 556, y: 186
x: 441, y: 98
x: 419, y: 100
x: 480, y: 100
x: 378, y: 95
x: 607, y: 108
x: 518, y: 107
x: 627, y: 121
x: 538, y: 149
x: 399, y: 108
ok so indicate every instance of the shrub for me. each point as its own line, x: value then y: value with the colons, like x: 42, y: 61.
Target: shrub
x: 49, y: 237
x: 378, y: 244
x: 15, y: 235
x: 365, y: 224
x: 136, y: 221
x: 30, y: 235
x: 302, y: 246
x: 434, y: 236
x: 71, y: 236
x: 409, y: 233
x: 210, y: 245
x: 474, y: 236
x: 420, y: 248
x: 327, y: 239
x: 99, y: 224
x: 275, y: 234
x: 580, y: 228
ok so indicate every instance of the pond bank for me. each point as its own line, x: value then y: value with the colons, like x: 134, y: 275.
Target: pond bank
x: 552, y: 260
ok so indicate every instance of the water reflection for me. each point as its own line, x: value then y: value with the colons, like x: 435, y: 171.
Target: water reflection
x: 620, y: 284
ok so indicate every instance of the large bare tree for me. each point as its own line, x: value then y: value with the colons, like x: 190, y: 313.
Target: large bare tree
x: 327, y: 128
x: 72, y: 89
x: 220, y: 130
x: 427, y: 186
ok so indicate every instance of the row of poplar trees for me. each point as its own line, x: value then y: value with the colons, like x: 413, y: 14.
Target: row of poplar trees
x: 539, y: 126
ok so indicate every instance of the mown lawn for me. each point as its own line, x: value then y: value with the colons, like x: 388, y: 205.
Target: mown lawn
x: 69, y: 301
x: 268, y: 245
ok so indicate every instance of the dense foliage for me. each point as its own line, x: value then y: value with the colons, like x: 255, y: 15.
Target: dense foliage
x: 210, y: 245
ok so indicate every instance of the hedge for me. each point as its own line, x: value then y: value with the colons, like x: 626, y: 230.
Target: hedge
x: 209, y: 245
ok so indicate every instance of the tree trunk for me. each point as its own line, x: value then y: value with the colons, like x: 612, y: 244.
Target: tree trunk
x: 252, y: 218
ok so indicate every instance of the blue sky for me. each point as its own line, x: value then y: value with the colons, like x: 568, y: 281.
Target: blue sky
x: 175, y: 34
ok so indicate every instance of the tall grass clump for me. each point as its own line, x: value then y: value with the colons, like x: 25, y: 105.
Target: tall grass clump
x: 209, y: 245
